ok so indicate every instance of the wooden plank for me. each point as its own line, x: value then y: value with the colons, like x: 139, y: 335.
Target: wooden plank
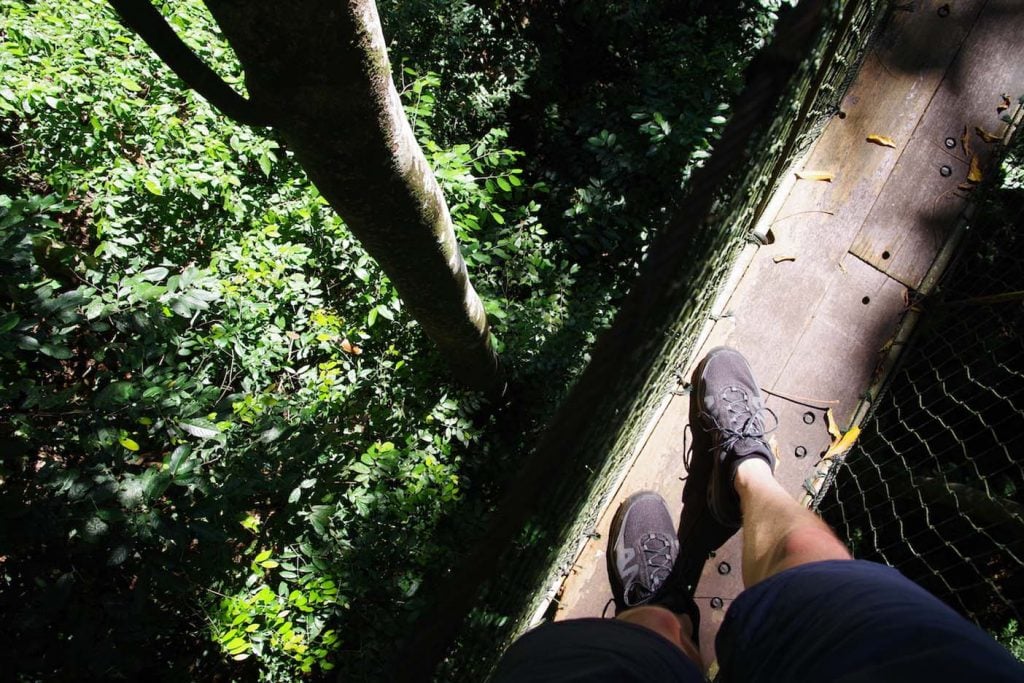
x: 913, y: 216
x: 837, y: 354
x: 819, y: 220
x: 716, y: 590
x: 918, y: 207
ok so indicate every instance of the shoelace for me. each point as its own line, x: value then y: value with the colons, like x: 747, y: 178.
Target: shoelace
x: 753, y: 426
x: 658, y: 558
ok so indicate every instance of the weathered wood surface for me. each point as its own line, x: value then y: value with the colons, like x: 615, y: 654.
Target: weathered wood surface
x: 814, y: 327
x: 919, y: 195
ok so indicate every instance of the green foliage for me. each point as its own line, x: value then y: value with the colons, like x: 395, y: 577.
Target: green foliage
x: 224, y: 444
x: 198, y: 359
x: 289, y: 621
x: 1012, y: 639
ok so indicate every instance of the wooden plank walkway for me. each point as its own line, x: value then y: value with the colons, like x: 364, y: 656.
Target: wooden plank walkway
x: 815, y: 309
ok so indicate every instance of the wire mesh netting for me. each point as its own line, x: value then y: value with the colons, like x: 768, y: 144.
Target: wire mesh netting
x: 935, y: 487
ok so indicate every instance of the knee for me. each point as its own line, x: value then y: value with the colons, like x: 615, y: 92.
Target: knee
x: 666, y: 624
x: 811, y: 544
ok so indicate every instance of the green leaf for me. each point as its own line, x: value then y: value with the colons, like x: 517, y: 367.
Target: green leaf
x: 8, y: 322
x: 155, y: 483
x: 263, y: 555
x: 236, y: 643
x: 269, y: 564
x: 94, y: 309
x: 153, y: 186
x: 204, y: 429
x: 503, y: 184
x: 178, y: 456
x: 130, y: 444
x: 498, y: 218
x: 113, y: 393
x: 154, y: 274
x: 58, y: 351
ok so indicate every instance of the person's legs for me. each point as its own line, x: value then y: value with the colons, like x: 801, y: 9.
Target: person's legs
x: 810, y: 612
x: 642, y: 549
x: 653, y: 638
x: 778, y: 533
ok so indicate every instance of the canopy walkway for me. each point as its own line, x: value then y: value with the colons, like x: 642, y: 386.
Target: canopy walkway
x: 858, y: 233
x: 814, y: 240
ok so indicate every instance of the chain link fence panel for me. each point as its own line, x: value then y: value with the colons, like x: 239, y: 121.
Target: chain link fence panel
x: 935, y: 487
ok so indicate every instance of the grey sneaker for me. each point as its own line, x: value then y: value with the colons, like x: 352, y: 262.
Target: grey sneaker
x: 643, y: 549
x: 733, y: 413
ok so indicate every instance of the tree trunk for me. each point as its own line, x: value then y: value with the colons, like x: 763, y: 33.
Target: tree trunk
x: 318, y: 72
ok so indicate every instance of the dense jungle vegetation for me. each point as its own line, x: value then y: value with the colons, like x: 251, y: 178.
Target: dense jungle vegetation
x: 226, y: 452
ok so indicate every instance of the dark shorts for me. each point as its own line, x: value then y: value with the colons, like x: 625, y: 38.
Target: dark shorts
x: 839, y: 620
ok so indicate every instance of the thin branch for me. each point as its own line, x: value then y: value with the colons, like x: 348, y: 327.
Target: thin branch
x: 150, y: 25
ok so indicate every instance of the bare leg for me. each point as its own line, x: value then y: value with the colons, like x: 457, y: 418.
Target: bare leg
x: 778, y: 533
x: 677, y: 628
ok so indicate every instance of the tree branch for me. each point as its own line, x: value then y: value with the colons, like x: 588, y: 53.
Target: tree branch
x: 149, y: 24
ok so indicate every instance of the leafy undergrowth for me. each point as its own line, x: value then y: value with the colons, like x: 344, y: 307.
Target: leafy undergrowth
x: 225, y: 449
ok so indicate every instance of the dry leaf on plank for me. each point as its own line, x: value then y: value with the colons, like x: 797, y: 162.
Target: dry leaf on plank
x: 986, y: 136
x: 841, y: 443
x: 1004, y: 105
x: 882, y: 140
x: 815, y: 175
x: 833, y: 428
x: 965, y: 142
x: 975, y: 175
x: 780, y: 259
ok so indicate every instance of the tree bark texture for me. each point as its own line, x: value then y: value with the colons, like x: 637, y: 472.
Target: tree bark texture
x: 318, y: 72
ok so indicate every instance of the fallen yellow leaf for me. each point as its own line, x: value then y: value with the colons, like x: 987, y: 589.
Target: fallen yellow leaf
x: 965, y: 142
x: 833, y: 428
x: 975, y: 175
x: 815, y: 175
x: 1004, y: 105
x: 882, y: 140
x: 986, y: 136
x: 841, y: 443
x: 780, y: 259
